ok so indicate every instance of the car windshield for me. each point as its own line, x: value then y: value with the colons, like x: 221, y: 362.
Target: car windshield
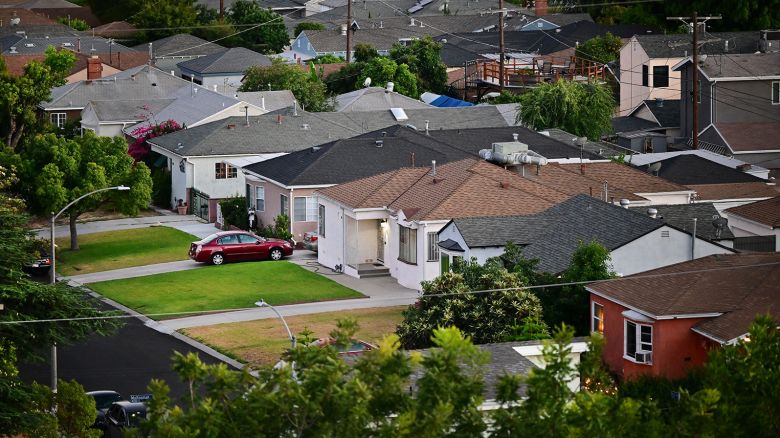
x: 103, y: 401
x: 210, y: 238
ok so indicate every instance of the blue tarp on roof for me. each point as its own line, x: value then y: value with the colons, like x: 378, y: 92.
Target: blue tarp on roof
x: 449, y: 102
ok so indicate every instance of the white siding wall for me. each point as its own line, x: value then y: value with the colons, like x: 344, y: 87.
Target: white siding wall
x: 742, y: 227
x: 236, y: 110
x: 654, y: 251
x: 330, y: 246
x: 662, y: 199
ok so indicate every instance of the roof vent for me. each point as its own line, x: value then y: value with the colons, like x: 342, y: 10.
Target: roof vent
x: 15, y: 21
x: 654, y: 168
x: 389, y: 87
x: 13, y: 49
x: 29, y: 45
x: 305, y: 127
x: 411, y: 21
x: 514, y: 136
x: 315, y: 148
x: 652, y: 212
x: 659, y: 102
x: 344, y: 29
x: 379, y: 143
x: 625, y: 203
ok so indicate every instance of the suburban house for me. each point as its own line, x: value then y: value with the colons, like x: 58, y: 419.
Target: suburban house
x: 117, y: 62
x: 550, y: 21
x: 726, y: 195
x: 647, y: 61
x: 222, y: 69
x: 266, y: 100
x: 757, y: 225
x: 650, y: 127
x: 166, y: 53
x: 739, y: 110
x: 292, y: 179
x: 677, y: 174
x: 376, y: 98
x: 115, y: 29
x: 710, y: 224
x: 636, y: 242
x: 389, y: 223
x: 664, y: 322
x: 204, y: 160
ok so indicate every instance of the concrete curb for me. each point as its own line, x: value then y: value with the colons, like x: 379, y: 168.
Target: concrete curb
x: 160, y: 327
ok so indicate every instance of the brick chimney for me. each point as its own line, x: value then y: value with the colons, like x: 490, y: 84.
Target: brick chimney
x: 540, y: 8
x: 94, y: 68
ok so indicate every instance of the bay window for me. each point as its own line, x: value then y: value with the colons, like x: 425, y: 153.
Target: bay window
x: 407, y: 248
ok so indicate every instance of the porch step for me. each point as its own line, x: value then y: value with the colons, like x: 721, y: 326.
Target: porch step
x: 374, y: 272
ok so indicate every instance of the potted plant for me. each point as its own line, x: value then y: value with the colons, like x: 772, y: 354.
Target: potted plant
x: 182, y: 207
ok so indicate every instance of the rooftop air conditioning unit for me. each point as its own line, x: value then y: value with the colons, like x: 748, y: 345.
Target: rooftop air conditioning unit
x: 509, y: 147
x: 644, y: 357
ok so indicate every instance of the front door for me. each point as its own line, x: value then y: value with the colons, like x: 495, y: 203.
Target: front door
x: 380, y: 242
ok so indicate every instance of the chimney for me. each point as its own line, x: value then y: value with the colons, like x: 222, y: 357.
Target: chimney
x: 514, y: 136
x: 344, y: 30
x: 541, y: 8
x: 94, y: 68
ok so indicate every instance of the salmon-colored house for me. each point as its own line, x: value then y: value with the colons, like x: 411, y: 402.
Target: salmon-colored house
x: 664, y: 322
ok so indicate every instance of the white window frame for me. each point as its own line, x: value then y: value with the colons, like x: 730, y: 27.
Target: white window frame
x: 772, y: 93
x: 433, y: 246
x: 321, y: 220
x: 59, y: 119
x: 410, y: 236
x: 259, y: 200
x: 309, y: 209
x: 230, y: 171
x: 639, y: 343
x: 595, y: 318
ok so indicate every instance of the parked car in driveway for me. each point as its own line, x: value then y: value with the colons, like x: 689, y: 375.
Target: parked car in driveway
x: 103, y: 401
x: 310, y: 241
x: 122, y: 415
x: 230, y: 246
x: 40, y: 266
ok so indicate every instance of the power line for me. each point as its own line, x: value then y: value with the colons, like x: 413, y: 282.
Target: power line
x: 445, y: 294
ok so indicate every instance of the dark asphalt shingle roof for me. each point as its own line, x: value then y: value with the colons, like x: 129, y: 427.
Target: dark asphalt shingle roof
x: 679, y: 45
x: 182, y: 44
x: 295, y: 133
x: 681, y: 216
x: 480, y: 232
x: 631, y: 124
x: 691, y: 169
x: 234, y: 60
x: 667, y: 112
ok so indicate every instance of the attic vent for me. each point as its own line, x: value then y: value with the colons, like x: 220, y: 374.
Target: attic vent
x: 67, y: 44
x: 13, y: 49
x: 399, y: 114
x: 305, y: 127
x: 379, y: 143
x: 665, y: 233
x: 29, y: 45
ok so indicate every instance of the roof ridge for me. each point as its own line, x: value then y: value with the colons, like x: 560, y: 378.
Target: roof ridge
x: 329, y: 146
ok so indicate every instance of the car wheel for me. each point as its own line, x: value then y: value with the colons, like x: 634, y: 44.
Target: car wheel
x: 217, y: 259
x: 276, y: 254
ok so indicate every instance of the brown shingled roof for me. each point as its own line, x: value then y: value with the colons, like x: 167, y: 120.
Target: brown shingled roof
x: 571, y: 181
x: 749, y: 190
x: 625, y: 178
x: 26, y: 17
x: 751, y: 136
x: 739, y: 286
x: 765, y: 212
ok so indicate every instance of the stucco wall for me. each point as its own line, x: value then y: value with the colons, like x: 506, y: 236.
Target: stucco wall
x: 330, y: 245
x: 632, y: 92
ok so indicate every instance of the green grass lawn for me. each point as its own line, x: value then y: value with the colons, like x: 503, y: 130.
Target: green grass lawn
x: 122, y: 249
x: 229, y: 286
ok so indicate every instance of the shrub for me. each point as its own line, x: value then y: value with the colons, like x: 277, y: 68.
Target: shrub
x: 234, y: 212
x: 161, y: 188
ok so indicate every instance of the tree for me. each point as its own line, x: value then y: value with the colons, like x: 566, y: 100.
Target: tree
x: 60, y: 170
x: 270, y: 37
x: 75, y: 410
x: 309, y: 92
x: 603, y: 49
x: 583, y: 109
x: 424, y: 59
x: 364, y: 52
x: 382, y: 70
x: 484, y: 317
x: 20, y: 96
x: 307, y: 25
x: 166, y: 18
x: 74, y: 23
x: 327, y: 59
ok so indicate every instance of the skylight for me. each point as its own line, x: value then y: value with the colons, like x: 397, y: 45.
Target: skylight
x: 399, y: 114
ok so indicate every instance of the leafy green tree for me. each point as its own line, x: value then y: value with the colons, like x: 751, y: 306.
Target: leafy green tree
x: 601, y: 49
x: 167, y: 18
x: 343, y: 81
x: 60, y: 170
x: 484, y: 317
x: 307, y: 25
x: 382, y: 70
x: 75, y: 410
x: 310, y: 92
x: 583, y: 109
x: 423, y: 57
x: 74, y: 23
x: 327, y: 59
x: 20, y: 96
x: 364, y: 52
x: 271, y: 37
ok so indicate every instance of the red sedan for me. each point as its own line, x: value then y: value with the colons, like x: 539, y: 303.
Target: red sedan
x: 229, y: 246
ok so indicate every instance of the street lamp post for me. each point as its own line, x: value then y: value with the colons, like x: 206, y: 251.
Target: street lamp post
x: 262, y: 303
x: 53, y: 274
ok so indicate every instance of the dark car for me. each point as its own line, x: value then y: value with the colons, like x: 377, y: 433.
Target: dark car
x: 40, y: 266
x: 122, y: 415
x: 230, y: 246
x: 103, y: 401
x: 310, y: 241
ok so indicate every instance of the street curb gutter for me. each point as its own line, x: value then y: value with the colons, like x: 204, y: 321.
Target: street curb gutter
x: 160, y: 327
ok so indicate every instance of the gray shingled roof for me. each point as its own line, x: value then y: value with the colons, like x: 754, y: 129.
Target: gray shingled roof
x: 747, y: 65
x: 38, y: 45
x: 182, y: 44
x: 127, y: 110
x: 234, y: 60
x: 375, y: 98
x: 562, y: 19
x: 631, y: 124
x: 273, y: 100
x: 692, y: 169
x: 681, y: 216
x: 667, y: 112
x: 679, y: 45
x: 480, y: 232
x: 266, y: 135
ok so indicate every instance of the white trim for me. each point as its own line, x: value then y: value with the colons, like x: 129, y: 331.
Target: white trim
x: 638, y: 340
x: 633, y: 315
x: 746, y: 78
x: 708, y: 336
x: 593, y: 305
x: 656, y: 317
x: 536, y: 349
x: 748, y: 220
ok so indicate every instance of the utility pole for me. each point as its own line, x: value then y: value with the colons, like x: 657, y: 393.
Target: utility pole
x: 695, y: 19
x: 501, y: 44
x: 221, y: 11
x: 349, y: 29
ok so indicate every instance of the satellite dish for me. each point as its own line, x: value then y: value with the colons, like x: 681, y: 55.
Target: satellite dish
x: 367, y: 83
x: 15, y: 21
x: 654, y: 168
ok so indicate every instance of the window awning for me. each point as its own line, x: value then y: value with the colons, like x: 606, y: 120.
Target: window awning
x: 636, y: 316
x: 451, y: 245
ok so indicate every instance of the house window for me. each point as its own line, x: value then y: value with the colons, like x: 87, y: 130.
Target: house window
x: 321, y: 223
x: 224, y: 170
x: 433, y: 247
x: 638, y: 342
x: 284, y: 205
x: 58, y: 119
x: 775, y: 93
x: 661, y: 76
x: 260, y: 198
x: 407, y: 248
x: 645, y: 74
x: 305, y: 209
x: 598, y: 318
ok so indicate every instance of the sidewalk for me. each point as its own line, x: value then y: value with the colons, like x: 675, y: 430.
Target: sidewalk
x: 136, y: 271
x: 187, y: 223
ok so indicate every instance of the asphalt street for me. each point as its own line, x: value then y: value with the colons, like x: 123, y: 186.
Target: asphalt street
x: 124, y: 362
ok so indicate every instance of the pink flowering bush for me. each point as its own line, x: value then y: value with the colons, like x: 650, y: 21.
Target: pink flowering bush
x: 140, y: 148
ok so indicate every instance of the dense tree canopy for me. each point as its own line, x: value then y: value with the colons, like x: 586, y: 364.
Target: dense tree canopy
x: 270, y: 36
x: 382, y: 70
x: 307, y: 25
x: 308, y: 89
x: 424, y: 60
x: 166, y: 18
x: 583, y: 109
x: 601, y: 49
